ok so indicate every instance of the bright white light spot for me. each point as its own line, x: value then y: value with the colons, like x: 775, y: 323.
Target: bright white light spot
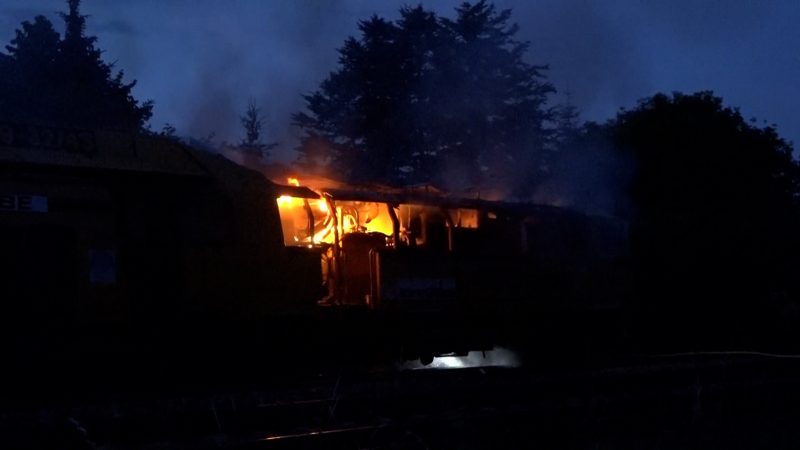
x: 449, y: 362
x: 498, y: 357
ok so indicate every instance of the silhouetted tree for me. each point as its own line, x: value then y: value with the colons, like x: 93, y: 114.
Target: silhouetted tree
x: 65, y: 82
x: 714, y: 224
x: 253, y: 123
x: 428, y: 99
x: 498, y: 100
x: 28, y: 85
x: 567, y: 127
x: 169, y: 131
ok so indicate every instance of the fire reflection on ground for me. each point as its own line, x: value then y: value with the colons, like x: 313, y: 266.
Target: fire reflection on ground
x: 497, y: 357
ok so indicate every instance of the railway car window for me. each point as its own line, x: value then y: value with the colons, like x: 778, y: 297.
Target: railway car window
x: 464, y: 218
x: 309, y: 222
x: 304, y: 221
x: 368, y: 217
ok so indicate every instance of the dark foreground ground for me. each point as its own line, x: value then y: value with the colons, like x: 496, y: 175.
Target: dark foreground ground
x: 670, y: 402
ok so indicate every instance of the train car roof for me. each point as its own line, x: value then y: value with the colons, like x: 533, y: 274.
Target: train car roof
x: 422, y: 195
x: 101, y: 150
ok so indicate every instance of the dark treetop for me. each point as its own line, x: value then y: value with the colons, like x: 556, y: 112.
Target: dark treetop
x: 46, y: 79
x: 431, y: 99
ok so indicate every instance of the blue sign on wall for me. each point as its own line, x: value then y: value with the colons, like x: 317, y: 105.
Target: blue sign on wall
x: 23, y: 203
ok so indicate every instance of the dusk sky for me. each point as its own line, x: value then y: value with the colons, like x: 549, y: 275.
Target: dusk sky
x: 200, y: 60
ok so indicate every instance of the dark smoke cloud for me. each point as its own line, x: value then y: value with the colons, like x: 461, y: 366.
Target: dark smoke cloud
x: 589, y: 176
x: 201, y: 60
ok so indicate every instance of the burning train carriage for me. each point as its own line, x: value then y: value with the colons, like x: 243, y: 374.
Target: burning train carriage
x: 116, y: 242
x: 475, y: 272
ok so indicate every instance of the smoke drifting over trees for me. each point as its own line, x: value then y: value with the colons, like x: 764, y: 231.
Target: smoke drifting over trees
x: 607, y: 55
x: 550, y: 157
x: 433, y: 99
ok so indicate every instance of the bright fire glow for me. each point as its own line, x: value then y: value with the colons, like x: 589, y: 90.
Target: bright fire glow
x: 285, y: 200
x: 350, y: 217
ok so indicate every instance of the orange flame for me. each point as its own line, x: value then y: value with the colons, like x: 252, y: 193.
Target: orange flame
x: 352, y: 217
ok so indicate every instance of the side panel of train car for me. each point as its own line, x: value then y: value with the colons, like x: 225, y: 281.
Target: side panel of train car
x: 139, y: 248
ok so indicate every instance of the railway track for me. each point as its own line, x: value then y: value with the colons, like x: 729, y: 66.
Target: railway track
x: 678, y: 400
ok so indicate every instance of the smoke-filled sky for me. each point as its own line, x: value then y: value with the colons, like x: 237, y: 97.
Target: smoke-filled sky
x: 201, y: 60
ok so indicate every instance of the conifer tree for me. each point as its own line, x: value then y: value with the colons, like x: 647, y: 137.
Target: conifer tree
x: 429, y: 99
x: 64, y: 81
